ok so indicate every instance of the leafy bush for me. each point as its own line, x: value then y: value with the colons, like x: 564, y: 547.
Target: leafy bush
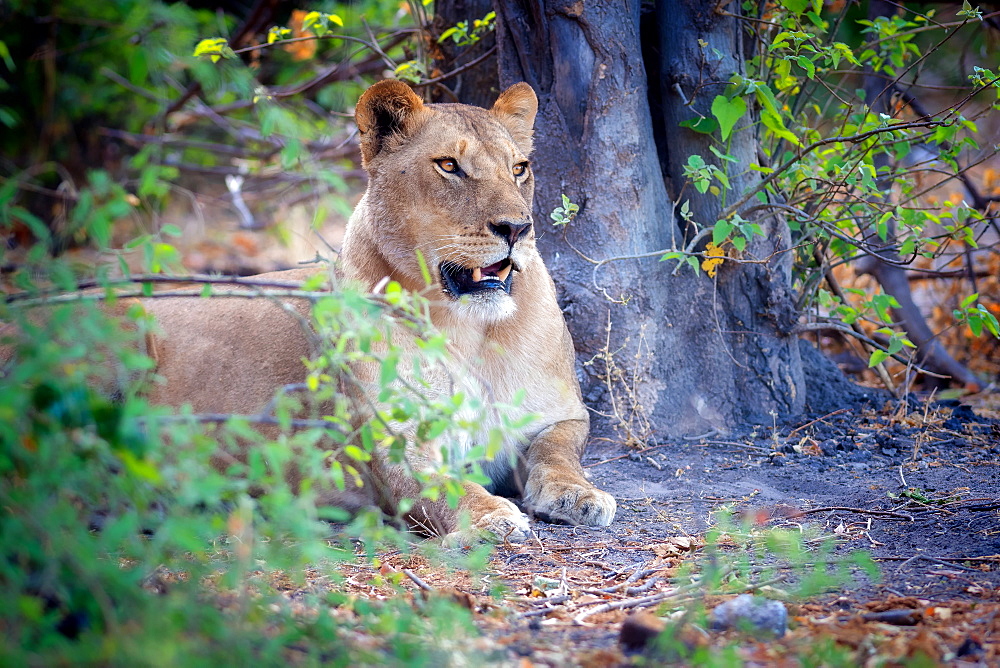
x: 122, y: 539
x: 857, y: 143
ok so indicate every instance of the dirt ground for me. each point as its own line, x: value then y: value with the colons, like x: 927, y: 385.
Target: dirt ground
x: 916, y: 487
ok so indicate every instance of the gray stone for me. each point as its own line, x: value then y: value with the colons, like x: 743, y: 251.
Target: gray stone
x: 751, y: 613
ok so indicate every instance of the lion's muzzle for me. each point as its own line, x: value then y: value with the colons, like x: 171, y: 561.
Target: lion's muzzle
x: 458, y: 281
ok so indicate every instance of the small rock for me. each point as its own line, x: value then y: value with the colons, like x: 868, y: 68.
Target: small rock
x: 889, y: 452
x: 829, y: 448
x: 751, y: 613
x: 884, y: 439
x: 638, y: 630
x: 964, y: 413
x: 970, y: 650
x: 954, y: 424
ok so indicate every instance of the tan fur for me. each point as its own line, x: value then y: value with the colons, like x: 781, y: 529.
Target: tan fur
x: 229, y: 355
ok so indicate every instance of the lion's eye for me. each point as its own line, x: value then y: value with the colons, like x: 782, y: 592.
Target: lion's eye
x: 520, y: 169
x: 448, y: 165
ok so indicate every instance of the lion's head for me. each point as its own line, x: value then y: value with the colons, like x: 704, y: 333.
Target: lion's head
x: 450, y: 186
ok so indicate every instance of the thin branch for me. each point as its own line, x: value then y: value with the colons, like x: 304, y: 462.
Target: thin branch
x: 195, y: 279
x: 839, y: 326
x: 849, y: 139
x: 128, y: 85
x: 469, y: 65
x: 914, y: 31
x: 221, y: 418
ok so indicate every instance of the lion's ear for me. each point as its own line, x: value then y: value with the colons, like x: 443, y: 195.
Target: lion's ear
x: 385, y: 109
x: 516, y: 108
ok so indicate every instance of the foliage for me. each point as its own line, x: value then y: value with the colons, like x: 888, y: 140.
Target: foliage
x: 161, y: 96
x: 564, y: 214
x: 462, y: 35
x: 776, y: 563
x: 856, y: 174
x: 122, y: 541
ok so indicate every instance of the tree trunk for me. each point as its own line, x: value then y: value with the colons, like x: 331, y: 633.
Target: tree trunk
x: 684, y: 353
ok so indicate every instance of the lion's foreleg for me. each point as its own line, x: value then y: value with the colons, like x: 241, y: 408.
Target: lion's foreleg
x: 557, y: 489
x: 487, y: 514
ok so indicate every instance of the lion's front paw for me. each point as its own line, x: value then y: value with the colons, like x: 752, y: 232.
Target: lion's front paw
x: 571, y: 503
x: 495, y: 520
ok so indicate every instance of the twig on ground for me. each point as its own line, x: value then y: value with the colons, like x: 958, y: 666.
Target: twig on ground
x: 644, y: 602
x: 627, y: 454
x: 747, y: 446
x: 416, y: 580
x: 639, y: 573
x: 632, y: 591
x: 862, y: 511
x: 935, y: 560
x: 989, y: 557
x: 819, y: 419
x: 545, y: 609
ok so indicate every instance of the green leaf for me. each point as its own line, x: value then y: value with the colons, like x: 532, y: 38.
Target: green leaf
x: 703, y: 124
x: 807, y: 65
x: 721, y: 176
x: 774, y: 123
x: 140, y: 468
x: 878, y: 356
x: 356, y: 453
x: 991, y: 322
x: 882, y: 225
x: 5, y: 55
x: 721, y: 231
x: 895, y: 345
x: 722, y: 156
x: 908, y: 246
x: 728, y: 112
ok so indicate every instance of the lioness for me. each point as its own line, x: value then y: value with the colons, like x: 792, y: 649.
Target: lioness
x: 454, y: 183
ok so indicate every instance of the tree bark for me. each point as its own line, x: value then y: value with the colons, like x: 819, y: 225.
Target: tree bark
x: 687, y: 353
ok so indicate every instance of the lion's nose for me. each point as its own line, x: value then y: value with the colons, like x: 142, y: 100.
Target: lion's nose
x: 510, y: 231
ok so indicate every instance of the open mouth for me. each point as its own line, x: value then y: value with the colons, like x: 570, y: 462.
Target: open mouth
x: 458, y: 281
